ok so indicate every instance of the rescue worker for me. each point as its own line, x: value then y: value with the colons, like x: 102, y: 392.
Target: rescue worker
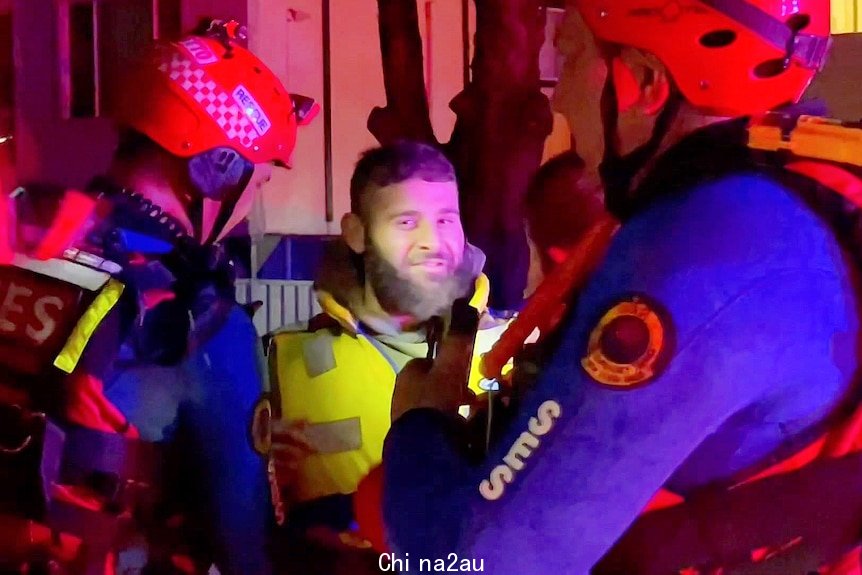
x: 718, y: 337
x: 402, y: 260
x: 155, y: 413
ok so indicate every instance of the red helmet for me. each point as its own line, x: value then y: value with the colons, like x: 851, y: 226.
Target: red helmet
x: 206, y: 92
x: 728, y: 57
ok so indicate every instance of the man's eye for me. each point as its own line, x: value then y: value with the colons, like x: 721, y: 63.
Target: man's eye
x: 406, y: 223
x: 447, y: 221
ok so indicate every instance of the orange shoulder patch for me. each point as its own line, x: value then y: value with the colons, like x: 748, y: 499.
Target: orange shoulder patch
x: 629, y: 344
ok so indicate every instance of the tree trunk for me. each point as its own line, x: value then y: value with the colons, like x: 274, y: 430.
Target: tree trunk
x: 406, y: 113
x: 502, y: 122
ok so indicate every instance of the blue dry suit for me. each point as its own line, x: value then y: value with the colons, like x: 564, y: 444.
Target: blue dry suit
x: 752, y: 325
x: 207, y: 402
x: 197, y: 401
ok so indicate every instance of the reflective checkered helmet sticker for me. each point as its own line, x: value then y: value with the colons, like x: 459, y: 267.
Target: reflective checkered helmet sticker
x: 219, y: 105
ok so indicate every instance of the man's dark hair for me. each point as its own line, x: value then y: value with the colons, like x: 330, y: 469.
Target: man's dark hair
x: 559, y: 207
x: 393, y: 164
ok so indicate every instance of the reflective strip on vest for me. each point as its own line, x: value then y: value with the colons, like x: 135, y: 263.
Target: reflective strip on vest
x: 64, y: 270
x: 71, y: 353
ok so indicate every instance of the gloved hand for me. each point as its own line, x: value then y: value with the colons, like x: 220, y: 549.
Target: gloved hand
x: 440, y: 383
x: 199, y: 294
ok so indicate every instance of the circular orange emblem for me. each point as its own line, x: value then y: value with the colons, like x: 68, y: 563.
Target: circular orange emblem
x: 261, y: 426
x: 626, y: 346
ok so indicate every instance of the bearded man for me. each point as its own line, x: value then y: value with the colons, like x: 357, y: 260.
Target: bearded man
x: 402, y: 260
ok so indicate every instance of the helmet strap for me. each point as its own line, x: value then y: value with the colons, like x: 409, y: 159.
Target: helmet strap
x: 220, y: 175
x: 618, y: 171
x: 808, y: 49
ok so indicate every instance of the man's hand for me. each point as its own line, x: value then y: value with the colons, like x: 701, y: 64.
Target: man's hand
x: 440, y: 383
x: 290, y: 447
x: 88, y: 407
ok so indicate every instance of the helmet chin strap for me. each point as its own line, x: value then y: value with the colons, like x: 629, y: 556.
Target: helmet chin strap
x: 215, y: 217
x: 225, y: 210
x: 619, y: 171
x: 220, y: 175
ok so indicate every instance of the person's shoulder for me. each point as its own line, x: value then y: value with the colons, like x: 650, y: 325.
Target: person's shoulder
x: 322, y: 350
x: 745, y: 208
x: 317, y: 333
x: 739, y: 190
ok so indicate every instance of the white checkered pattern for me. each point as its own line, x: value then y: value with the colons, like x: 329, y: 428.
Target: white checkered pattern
x: 218, y: 104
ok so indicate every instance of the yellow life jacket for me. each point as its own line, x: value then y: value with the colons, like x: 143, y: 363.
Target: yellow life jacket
x: 340, y: 381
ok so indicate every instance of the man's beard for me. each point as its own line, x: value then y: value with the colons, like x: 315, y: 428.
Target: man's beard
x: 399, y: 294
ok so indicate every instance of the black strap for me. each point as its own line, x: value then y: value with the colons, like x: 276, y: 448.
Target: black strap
x: 810, y: 50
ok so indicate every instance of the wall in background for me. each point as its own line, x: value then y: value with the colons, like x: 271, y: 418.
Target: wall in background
x: 330, y: 50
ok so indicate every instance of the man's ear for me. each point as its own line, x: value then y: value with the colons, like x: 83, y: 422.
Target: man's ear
x: 626, y: 84
x: 353, y: 232
x: 641, y: 80
x: 656, y: 92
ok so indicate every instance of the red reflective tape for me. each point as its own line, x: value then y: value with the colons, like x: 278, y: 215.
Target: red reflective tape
x: 78, y: 496
x: 834, y: 177
x: 183, y: 563
x: 88, y: 407
x: 153, y: 297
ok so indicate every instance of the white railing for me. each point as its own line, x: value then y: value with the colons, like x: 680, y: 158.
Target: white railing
x: 284, y: 302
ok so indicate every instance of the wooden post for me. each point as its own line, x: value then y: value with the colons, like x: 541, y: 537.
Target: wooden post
x: 503, y: 119
x: 406, y: 113
x: 499, y: 136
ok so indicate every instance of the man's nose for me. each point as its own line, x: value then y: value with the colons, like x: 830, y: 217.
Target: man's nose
x: 427, y: 236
